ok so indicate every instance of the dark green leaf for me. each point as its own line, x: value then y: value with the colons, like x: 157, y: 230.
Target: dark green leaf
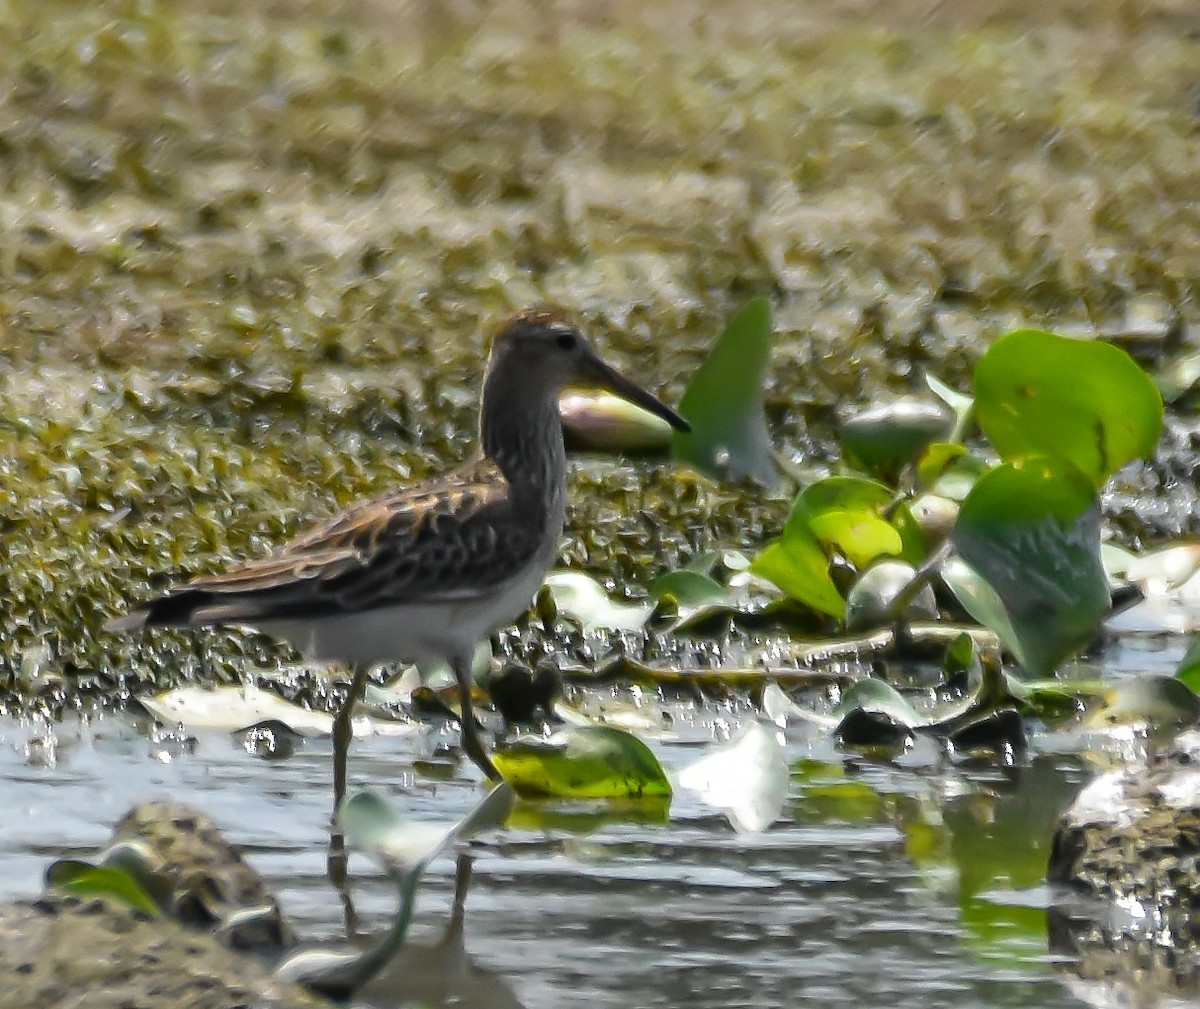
x: 883, y: 438
x: 1031, y: 530
x: 724, y: 402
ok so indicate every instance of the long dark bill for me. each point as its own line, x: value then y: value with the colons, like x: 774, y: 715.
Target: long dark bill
x: 607, y: 377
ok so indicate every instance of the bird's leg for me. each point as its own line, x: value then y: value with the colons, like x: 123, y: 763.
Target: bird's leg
x: 343, y: 732
x: 471, y: 742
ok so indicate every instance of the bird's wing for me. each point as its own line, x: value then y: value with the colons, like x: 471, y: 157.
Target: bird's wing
x: 453, y: 537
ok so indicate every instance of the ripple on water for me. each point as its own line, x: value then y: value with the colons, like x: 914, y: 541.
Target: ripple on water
x: 618, y: 914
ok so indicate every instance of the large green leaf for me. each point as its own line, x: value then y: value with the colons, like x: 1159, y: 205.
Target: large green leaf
x: 800, y: 568
x: 1088, y: 402
x: 724, y: 402
x: 587, y: 762
x: 844, y: 513
x: 840, y: 516
x: 1031, y: 530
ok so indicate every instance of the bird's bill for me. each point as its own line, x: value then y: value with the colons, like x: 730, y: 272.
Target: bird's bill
x: 604, y: 376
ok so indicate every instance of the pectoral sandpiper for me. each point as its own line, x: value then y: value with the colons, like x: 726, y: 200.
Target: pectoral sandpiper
x: 431, y: 569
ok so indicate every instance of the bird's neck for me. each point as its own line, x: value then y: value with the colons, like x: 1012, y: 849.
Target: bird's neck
x: 521, y: 432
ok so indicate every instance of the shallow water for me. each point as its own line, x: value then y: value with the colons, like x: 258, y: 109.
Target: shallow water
x: 914, y: 883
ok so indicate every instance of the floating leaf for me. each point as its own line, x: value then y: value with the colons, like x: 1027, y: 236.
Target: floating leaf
x: 878, y: 696
x: 724, y: 402
x: 1086, y: 402
x: 105, y: 880
x: 747, y: 778
x: 1164, y: 569
x: 691, y: 593
x: 1052, y: 699
x: 583, y: 598
x: 588, y: 762
x: 233, y: 708
x: 1031, y: 529
x: 882, y: 439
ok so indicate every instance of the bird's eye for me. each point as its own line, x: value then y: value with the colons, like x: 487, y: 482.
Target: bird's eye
x: 565, y: 341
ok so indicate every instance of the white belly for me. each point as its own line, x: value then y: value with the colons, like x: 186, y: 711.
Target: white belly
x: 413, y: 631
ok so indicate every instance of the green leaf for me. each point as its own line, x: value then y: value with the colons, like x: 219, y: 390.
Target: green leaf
x: 724, y: 402
x: 1087, y: 402
x: 800, y: 568
x: 962, y: 405
x: 844, y: 513
x: 1031, y: 530
x: 839, y: 515
x: 883, y: 438
x: 1189, y: 667
x: 689, y: 589
x: 871, y: 598
x: 588, y: 762
x: 878, y: 696
x: 82, y: 878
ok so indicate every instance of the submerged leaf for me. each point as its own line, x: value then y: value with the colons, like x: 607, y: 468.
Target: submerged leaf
x: 724, y: 402
x: 1031, y: 529
x: 1086, y: 402
x: 587, y: 762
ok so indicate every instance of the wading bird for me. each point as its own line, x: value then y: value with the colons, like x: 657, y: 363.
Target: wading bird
x: 431, y: 569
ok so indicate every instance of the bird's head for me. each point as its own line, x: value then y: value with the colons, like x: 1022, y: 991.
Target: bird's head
x: 546, y: 351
